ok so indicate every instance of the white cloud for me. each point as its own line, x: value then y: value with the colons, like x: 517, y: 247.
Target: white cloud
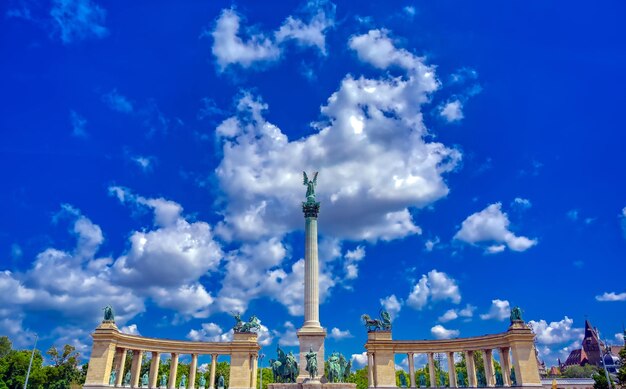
x: 117, y: 102
x: 78, y: 125
x: 492, y: 225
x: 76, y: 20
x: 359, y: 360
x: 210, y: 332
x: 312, y: 33
x: 521, y: 203
x: 434, y: 286
x: 130, y: 329
x: 449, y: 315
x: 352, y: 257
x: 145, y: 163
x: 288, y: 337
x: 619, y: 338
x: 556, y: 332
x: 392, y: 305
x: 611, y: 296
x: 500, y: 310
x: 468, y: 311
x: 440, y: 332
x: 431, y: 243
x: 338, y: 334
x: 452, y: 314
x: 452, y: 111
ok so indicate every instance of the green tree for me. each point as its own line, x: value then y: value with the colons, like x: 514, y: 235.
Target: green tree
x: 359, y: 377
x: 5, y: 346
x: 268, y: 377
x: 404, y: 374
x: 576, y: 371
x: 600, y: 381
x: 621, y: 373
x: 222, y: 369
x: 13, y: 368
x: 64, y: 369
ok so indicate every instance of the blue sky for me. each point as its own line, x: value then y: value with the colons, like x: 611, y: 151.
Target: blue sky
x: 470, y: 155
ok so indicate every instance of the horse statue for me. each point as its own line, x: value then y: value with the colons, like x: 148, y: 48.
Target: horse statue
x: 311, y: 363
x: 254, y: 324
x: 338, y: 368
x: 382, y: 324
x: 238, y: 322
x: 285, y: 368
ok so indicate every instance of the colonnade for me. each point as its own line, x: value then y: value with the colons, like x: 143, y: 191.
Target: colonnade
x: 110, y: 348
x: 518, y: 341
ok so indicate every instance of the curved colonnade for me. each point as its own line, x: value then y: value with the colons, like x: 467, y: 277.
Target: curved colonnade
x: 110, y: 346
x: 517, y: 342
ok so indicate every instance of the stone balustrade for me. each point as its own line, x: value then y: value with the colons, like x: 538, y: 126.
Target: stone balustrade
x: 110, y: 347
x: 518, y: 341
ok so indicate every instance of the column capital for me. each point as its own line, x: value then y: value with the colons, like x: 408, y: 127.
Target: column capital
x: 310, y: 209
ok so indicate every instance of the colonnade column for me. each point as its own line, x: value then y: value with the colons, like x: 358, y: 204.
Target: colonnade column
x: 431, y: 370
x: 489, y: 373
x: 370, y: 370
x: 451, y: 370
x: 135, y: 369
x: 119, y: 366
x: 411, y: 369
x: 506, y: 366
x: 154, y: 370
x: 192, y: 371
x: 471, y: 369
x: 173, y: 369
x: 213, y: 365
x: 255, y: 364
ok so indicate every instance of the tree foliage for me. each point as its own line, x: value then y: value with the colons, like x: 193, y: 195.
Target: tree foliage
x: 359, y: 377
x: 576, y: 371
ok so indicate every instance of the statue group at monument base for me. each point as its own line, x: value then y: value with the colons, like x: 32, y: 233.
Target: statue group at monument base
x: 312, y: 385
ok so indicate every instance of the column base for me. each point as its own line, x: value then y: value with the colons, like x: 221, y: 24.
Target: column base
x: 311, y: 338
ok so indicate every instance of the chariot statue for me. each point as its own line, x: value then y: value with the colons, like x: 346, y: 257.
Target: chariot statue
x: 382, y: 324
x: 252, y: 325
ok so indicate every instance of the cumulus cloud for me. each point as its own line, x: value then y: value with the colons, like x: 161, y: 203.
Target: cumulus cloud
x: 237, y: 45
x: 76, y: 20
x: 338, y: 334
x: 499, y: 310
x: 130, y: 329
x: 210, y: 332
x: 287, y: 337
x: 452, y: 111
x: 359, y: 360
x: 521, y: 203
x: 392, y: 305
x: 555, y: 332
x: 611, y: 296
x: 440, y: 332
x: 452, y: 314
x: 431, y: 243
x: 432, y: 287
x: 492, y: 225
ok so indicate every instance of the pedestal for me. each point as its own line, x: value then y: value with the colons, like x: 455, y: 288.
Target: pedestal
x: 311, y: 338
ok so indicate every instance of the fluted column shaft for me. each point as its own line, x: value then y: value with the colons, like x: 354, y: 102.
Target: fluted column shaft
x: 451, y: 371
x: 192, y: 371
x: 506, y: 366
x: 213, y: 366
x: 154, y: 370
x: 311, y: 273
x: 489, y: 373
x: 471, y: 369
x: 173, y: 370
x: 135, y: 369
x: 411, y: 369
x: 119, y: 366
x: 431, y: 370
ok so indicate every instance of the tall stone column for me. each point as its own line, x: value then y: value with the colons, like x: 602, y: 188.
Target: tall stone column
x: 431, y: 370
x: 154, y: 370
x: 411, y: 369
x: 489, y: 372
x: 213, y: 366
x: 452, y: 371
x: 135, y: 370
x: 370, y: 370
x: 173, y: 370
x: 120, y: 365
x: 311, y: 336
x: 506, y: 366
x: 192, y: 371
x: 471, y: 369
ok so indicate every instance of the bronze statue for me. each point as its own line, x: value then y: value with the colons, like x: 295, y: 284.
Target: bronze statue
x: 311, y: 363
x: 382, y: 324
x: 144, y: 380
x: 310, y: 187
x: 253, y: 325
x: 109, y: 315
x: 516, y: 315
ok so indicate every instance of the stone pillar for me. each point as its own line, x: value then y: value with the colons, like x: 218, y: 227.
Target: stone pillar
x: 525, y: 363
x: 100, y: 362
x: 120, y: 357
x: 173, y: 369
x: 411, y: 369
x: 489, y: 372
x: 431, y: 370
x: 154, y: 370
x: 506, y: 366
x: 253, y: 374
x: 370, y: 370
x: 311, y: 335
x: 213, y: 366
x: 452, y: 371
x: 192, y: 371
x: 135, y: 369
x: 471, y: 369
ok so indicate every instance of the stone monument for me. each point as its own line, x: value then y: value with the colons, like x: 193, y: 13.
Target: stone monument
x: 311, y: 335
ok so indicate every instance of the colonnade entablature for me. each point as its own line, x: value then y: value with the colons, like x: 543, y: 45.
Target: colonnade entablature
x: 110, y: 347
x: 517, y: 342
